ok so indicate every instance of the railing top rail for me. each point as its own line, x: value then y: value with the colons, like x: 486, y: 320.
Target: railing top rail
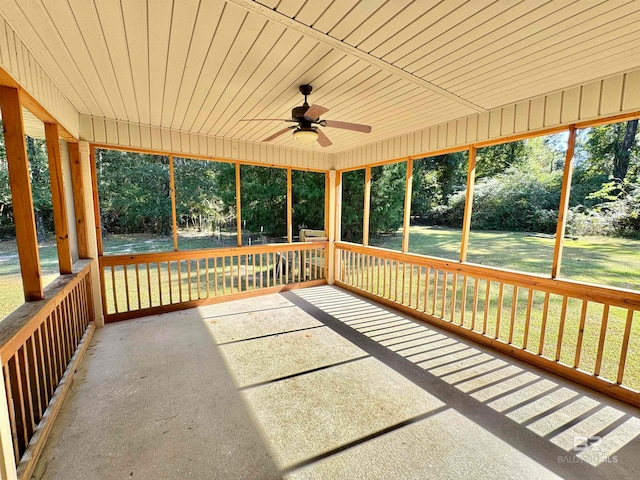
x: 16, y: 328
x: 115, y: 260
x: 613, y: 296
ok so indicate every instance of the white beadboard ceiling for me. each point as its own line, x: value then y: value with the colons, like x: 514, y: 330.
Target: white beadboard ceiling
x: 397, y: 65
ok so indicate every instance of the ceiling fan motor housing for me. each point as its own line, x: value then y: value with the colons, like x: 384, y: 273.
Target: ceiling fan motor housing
x: 297, y: 114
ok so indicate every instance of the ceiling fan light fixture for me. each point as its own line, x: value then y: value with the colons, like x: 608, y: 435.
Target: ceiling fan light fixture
x: 304, y: 135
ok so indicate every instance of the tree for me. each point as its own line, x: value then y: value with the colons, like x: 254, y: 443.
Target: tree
x: 308, y: 200
x: 612, y: 148
x: 387, y: 198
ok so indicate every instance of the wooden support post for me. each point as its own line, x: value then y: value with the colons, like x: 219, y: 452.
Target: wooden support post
x: 19, y: 180
x: 96, y: 200
x: 58, y: 199
x: 564, y: 204
x: 327, y: 209
x: 333, y: 223
x: 238, y: 206
x: 367, y: 206
x: 172, y: 189
x: 468, y: 206
x: 85, y: 205
x: 407, y: 206
x: 7, y: 454
x: 289, y: 206
x: 77, y: 184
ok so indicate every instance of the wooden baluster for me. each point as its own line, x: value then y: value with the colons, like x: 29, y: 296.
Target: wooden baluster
x: 57, y: 332
x: 404, y: 270
x: 583, y: 316
x: 27, y: 398
x: 603, y: 332
x: 487, y: 304
x: 454, y: 288
x: 514, y: 309
x: 443, y: 299
x: 206, y: 272
x: 12, y: 413
x: 113, y: 289
x: 625, y: 346
x: 170, y: 282
x: 179, y: 262
x: 189, y: 278
x: 527, y: 319
x: 215, y: 276
x: 47, y: 350
x: 275, y: 270
x: 126, y: 286
x: 435, y: 291
x: 474, y: 309
x: 159, y: 284
x: 499, y: 312
x: 261, y: 272
x: 463, y: 300
x: 198, y: 277
x: 410, y: 285
x: 543, y: 327
x: 138, y: 285
x: 427, y: 281
x: 149, y: 284
x: 563, y: 315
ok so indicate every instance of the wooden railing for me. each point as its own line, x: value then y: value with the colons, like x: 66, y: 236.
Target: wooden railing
x: 144, y: 284
x: 580, y: 331
x: 40, y: 344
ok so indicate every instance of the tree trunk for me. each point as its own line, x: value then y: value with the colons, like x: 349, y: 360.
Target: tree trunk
x: 622, y: 155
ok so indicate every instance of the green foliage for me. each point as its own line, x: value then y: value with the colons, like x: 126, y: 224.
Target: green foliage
x: 134, y: 192
x: 435, y: 179
x: 264, y: 199
x: 497, y: 159
x: 308, y: 200
x: 352, y: 216
x: 387, y: 198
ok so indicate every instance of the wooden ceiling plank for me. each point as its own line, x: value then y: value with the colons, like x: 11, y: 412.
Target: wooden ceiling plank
x: 329, y: 19
x: 159, y: 30
x: 312, y: 10
x: 111, y: 21
x: 180, y: 41
x: 290, y: 8
x: 578, y: 35
x: 527, y: 85
x: 226, y: 33
x: 242, y: 52
x: 407, y: 22
x: 468, y: 27
x: 404, y: 36
x: 511, y: 38
x: 593, y: 50
x: 258, y: 56
x: 269, y: 3
x: 271, y: 15
x: 60, y: 66
x: 73, y: 39
x: 385, y: 13
x: 263, y: 89
x: 89, y: 26
x: 207, y: 23
x: 135, y: 23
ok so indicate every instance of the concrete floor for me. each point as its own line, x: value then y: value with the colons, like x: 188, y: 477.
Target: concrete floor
x: 321, y: 384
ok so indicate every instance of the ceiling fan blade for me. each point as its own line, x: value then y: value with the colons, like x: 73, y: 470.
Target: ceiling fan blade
x: 314, y: 112
x: 356, y: 127
x: 266, y: 120
x: 277, y: 134
x: 323, y: 140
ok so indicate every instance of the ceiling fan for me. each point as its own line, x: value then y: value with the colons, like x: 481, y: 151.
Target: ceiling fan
x: 307, y: 120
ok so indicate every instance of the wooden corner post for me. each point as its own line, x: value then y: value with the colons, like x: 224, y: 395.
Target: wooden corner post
x: 60, y: 218
x: 333, y: 225
x: 367, y: 206
x: 408, y: 187
x: 468, y: 205
x: 564, y: 203
x: 20, y: 183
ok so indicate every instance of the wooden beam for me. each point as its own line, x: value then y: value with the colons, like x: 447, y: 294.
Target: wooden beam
x: 78, y: 200
x: 407, y: 206
x: 341, y: 46
x: 367, y: 206
x: 564, y: 204
x: 289, y: 207
x: 31, y: 104
x: 468, y: 206
x: 19, y: 180
x: 172, y: 189
x: 238, y: 206
x: 58, y: 199
x: 96, y: 200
